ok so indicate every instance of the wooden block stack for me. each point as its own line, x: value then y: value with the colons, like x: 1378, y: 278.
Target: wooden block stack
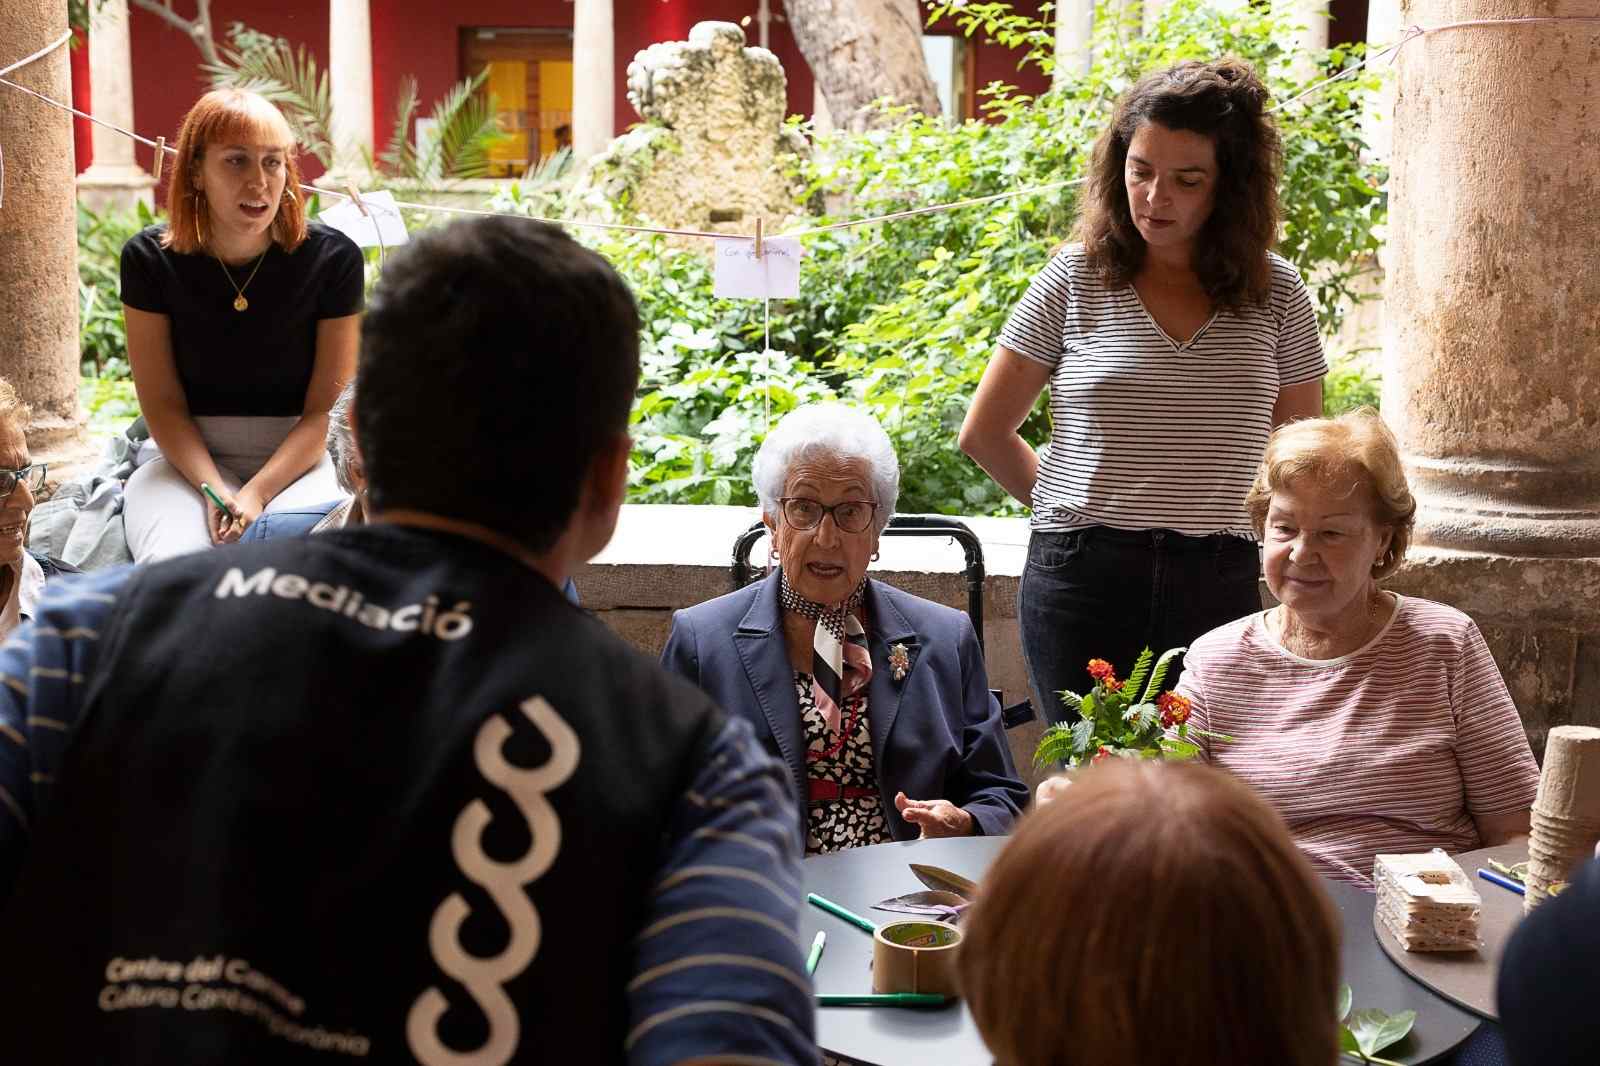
x: 1427, y: 902
x: 1566, y: 816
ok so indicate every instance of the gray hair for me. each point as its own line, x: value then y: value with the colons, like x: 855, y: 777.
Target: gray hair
x: 827, y: 429
x: 341, y: 441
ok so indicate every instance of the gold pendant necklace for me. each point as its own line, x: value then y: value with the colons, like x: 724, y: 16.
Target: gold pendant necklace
x: 239, y: 302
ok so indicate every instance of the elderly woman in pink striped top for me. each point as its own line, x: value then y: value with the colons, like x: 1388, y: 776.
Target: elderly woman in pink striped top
x: 1374, y: 722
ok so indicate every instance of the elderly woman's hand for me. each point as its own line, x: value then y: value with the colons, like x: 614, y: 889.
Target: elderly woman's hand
x: 1051, y: 788
x: 936, y: 818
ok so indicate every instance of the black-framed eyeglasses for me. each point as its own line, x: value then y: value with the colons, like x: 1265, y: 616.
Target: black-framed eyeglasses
x: 31, y: 475
x: 851, y: 516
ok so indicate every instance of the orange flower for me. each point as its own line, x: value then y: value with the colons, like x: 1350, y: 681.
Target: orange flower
x: 1174, y: 708
x: 1099, y: 669
x: 1113, y: 685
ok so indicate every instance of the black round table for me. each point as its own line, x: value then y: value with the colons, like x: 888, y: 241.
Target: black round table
x: 860, y: 877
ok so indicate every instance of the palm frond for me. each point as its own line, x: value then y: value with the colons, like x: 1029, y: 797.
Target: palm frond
x: 288, y: 76
x: 400, y: 155
x: 467, y: 126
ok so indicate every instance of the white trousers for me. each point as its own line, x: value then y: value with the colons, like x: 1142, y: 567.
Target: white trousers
x: 164, y: 515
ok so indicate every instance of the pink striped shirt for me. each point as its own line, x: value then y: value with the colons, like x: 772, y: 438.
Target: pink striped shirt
x: 1392, y: 748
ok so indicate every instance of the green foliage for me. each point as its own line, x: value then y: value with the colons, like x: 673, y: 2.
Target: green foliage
x: 286, y: 75
x: 1364, y: 1033
x: 902, y: 317
x: 102, y: 340
x: 465, y: 128
x: 1351, y: 383
x: 111, y: 404
x: 1117, y: 719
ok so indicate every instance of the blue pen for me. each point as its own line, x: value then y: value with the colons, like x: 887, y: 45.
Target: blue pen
x: 1503, y: 882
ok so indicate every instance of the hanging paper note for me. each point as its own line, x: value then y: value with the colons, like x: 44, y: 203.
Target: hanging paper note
x: 382, y: 217
x: 741, y: 276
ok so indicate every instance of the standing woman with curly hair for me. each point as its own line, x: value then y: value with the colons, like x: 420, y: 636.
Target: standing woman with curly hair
x: 1172, y: 340
x: 243, y: 320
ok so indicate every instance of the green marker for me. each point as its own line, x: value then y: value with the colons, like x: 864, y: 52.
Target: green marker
x: 211, y: 494
x: 816, y: 951
x: 839, y: 912
x: 890, y: 999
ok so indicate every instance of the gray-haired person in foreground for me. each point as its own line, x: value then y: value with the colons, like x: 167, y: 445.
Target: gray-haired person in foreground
x: 383, y: 793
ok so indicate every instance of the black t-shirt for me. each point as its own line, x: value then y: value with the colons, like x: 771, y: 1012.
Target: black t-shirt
x: 252, y: 362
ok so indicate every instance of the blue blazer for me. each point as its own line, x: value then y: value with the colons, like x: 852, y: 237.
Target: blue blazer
x: 935, y: 735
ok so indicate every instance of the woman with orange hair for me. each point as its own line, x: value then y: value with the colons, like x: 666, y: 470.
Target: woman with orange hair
x: 1198, y: 935
x: 242, y: 322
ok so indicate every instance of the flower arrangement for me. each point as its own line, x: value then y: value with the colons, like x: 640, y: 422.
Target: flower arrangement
x: 1131, y: 719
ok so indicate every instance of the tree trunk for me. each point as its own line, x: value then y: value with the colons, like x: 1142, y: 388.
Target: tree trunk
x: 860, y: 50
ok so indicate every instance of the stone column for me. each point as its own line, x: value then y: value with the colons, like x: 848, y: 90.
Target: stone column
x: 38, y: 232
x: 113, y: 180
x: 350, y: 85
x: 1491, y: 337
x: 1074, y: 32
x: 1310, y: 36
x: 593, y: 77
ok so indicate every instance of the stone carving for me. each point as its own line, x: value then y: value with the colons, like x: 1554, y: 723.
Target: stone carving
x: 712, y: 152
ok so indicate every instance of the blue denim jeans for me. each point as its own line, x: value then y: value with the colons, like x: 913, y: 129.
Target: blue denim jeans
x: 1101, y: 593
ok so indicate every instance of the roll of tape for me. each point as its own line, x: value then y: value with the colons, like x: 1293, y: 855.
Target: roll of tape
x: 915, y: 956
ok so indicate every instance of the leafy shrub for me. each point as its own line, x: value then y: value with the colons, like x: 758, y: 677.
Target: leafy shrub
x: 1351, y: 383
x: 902, y: 317
x: 102, y: 340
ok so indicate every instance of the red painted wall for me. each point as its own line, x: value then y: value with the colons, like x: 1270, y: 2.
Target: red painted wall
x: 78, y: 61
x: 166, y: 65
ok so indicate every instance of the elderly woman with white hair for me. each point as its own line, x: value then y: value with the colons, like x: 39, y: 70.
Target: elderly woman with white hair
x: 876, y: 700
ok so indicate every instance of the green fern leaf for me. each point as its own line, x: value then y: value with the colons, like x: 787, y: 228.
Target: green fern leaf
x: 1072, y: 701
x: 1159, y: 675
x: 1141, y: 669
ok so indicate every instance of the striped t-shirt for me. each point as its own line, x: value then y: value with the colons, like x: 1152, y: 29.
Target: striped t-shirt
x: 1392, y: 748
x: 1149, y: 433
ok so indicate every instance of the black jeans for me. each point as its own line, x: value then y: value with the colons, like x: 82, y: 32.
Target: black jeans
x: 1101, y: 593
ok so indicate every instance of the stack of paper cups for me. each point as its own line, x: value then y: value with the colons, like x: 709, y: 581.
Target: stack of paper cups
x: 1566, y: 816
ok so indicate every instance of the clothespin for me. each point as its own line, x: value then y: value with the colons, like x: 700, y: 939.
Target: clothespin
x: 161, y: 157
x: 355, y: 198
x: 759, y: 252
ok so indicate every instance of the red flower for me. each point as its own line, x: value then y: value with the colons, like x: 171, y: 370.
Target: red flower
x: 1113, y: 685
x: 1099, y: 669
x: 1174, y: 709
x: 1100, y: 756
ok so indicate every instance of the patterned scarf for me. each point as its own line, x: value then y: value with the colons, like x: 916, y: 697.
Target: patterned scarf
x: 840, y: 663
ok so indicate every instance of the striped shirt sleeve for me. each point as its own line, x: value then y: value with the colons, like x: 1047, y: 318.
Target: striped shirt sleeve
x: 1300, y: 357
x: 44, y: 667
x: 1037, y: 326
x: 719, y: 973
x: 1498, y: 771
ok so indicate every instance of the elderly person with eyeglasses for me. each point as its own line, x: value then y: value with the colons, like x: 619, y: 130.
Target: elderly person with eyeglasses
x: 22, y: 573
x: 876, y: 700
